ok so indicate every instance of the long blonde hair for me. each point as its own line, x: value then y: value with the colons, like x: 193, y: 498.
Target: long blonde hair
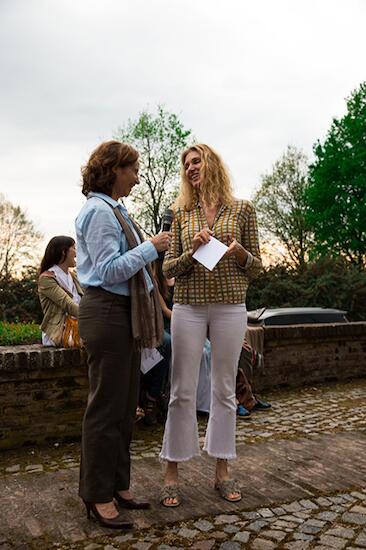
x: 215, y: 184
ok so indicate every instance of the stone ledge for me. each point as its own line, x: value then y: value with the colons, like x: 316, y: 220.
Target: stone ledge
x: 43, y: 390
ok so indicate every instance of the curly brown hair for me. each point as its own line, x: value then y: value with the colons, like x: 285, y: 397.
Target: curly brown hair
x: 216, y: 185
x: 99, y: 173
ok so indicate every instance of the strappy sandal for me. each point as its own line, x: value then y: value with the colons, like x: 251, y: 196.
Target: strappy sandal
x: 226, y: 488
x: 170, y: 491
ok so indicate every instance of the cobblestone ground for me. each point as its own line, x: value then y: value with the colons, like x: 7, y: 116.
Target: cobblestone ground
x: 336, y: 520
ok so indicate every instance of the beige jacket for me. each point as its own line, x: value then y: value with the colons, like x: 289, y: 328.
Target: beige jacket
x: 56, y: 302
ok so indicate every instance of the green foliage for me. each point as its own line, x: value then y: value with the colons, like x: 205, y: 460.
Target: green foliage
x: 12, y: 334
x: 281, y: 207
x: 159, y: 139
x: 19, y: 299
x: 337, y: 191
x: 326, y: 283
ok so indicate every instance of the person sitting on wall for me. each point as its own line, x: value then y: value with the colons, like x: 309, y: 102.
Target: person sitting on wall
x: 59, y: 292
x: 247, y: 401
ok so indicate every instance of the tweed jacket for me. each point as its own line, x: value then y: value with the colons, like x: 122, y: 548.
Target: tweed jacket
x: 227, y: 283
x: 56, y: 303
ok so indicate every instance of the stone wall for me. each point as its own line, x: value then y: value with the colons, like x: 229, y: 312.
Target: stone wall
x: 42, y: 394
x: 299, y: 355
x: 43, y: 390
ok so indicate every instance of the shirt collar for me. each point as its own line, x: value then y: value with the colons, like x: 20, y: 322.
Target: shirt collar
x: 105, y: 197
x: 109, y: 200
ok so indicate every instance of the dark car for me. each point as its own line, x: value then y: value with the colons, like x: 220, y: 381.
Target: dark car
x: 296, y: 316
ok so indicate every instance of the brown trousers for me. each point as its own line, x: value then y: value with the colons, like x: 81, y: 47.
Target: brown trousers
x: 114, y: 368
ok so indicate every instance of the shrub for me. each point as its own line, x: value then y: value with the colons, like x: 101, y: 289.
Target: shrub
x: 325, y: 283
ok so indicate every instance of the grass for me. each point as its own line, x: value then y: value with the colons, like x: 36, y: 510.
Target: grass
x: 12, y: 334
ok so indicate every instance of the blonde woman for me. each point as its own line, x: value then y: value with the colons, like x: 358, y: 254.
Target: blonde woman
x: 207, y: 301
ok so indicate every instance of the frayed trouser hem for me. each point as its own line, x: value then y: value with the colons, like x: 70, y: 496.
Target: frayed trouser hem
x: 221, y: 456
x: 185, y: 459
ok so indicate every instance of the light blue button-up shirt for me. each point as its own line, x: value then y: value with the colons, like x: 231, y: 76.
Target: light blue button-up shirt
x: 103, y: 256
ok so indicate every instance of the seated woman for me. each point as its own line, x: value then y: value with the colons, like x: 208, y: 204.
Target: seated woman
x: 59, y: 289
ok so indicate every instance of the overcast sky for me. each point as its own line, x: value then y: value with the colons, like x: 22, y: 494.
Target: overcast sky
x: 248, y: 77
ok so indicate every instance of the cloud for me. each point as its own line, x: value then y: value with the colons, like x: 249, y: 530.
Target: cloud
x: 248, y: 78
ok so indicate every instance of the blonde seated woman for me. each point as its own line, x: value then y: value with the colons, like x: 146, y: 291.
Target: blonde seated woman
x: 59, y: 289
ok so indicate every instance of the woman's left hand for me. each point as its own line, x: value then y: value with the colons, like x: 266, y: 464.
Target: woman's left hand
x: 237, y: 250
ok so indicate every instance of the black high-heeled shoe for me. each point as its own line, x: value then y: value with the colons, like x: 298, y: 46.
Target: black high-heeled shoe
x: 130, y: 503
x: 111, y: 523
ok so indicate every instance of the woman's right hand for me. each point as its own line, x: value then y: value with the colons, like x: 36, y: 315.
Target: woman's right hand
x: 162, y: 241
x: 202, y: 237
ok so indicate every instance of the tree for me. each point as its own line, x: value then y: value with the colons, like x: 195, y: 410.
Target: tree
x: 281, y: 206
x: 159, y: 139
x: 19, y: 239
x: 336, y: 194
x: 19, y: 300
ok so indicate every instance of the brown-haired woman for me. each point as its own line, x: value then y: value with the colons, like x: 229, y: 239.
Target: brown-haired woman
x: 207, y: 300
x: 59, y: 290
x: 118, y: 316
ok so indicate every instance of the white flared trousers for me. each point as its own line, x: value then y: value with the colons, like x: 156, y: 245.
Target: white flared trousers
x: 226, y: 324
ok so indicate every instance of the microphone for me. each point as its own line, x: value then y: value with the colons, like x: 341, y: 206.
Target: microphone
x: 166, y: 225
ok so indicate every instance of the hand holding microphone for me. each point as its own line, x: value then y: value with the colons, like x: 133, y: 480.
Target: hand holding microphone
x: 162, y: 240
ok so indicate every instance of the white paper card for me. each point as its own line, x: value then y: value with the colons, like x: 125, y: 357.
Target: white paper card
x: 149, y: 358
x: 209, y: 254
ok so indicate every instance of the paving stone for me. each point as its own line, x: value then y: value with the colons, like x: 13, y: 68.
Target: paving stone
x: 308, y: 504
x: 274, y: 534
x: 282, y: 524
x: 292, y: 507
x: 231, y: 529
x: 323, y: 501
x: 124, y: 538
x: 257, y: 525
x: 279, y: 511
x: 311, y: 526
x: 224, y: 518
x: 230, y: 545
x: 337, y: 499
x: 13, y: 469
x: 343, y: 532
x: 358, y: 509
x: 358, y: 519
x: 327, y: 516
x: 203, y: 525
x: 109, y: 547
x: 302, y: 515
x: 242, y: 536
x: 360, y: 496
x: 34, y: 467
x: 338, y: 508
x: 187, y: 533
x: 361, y: 539
x: 218, y: 535
x: 92, y: 546
x: 333, y: 542
x: 250, y: 515
x: 293, y: 518
x: 265, y: 513
x: 298, y: 545
x: 303, y: 536
x: 263, y: 544
x: 203, y: 544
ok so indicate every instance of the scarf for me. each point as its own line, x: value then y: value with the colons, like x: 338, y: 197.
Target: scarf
x: 146, y: 314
